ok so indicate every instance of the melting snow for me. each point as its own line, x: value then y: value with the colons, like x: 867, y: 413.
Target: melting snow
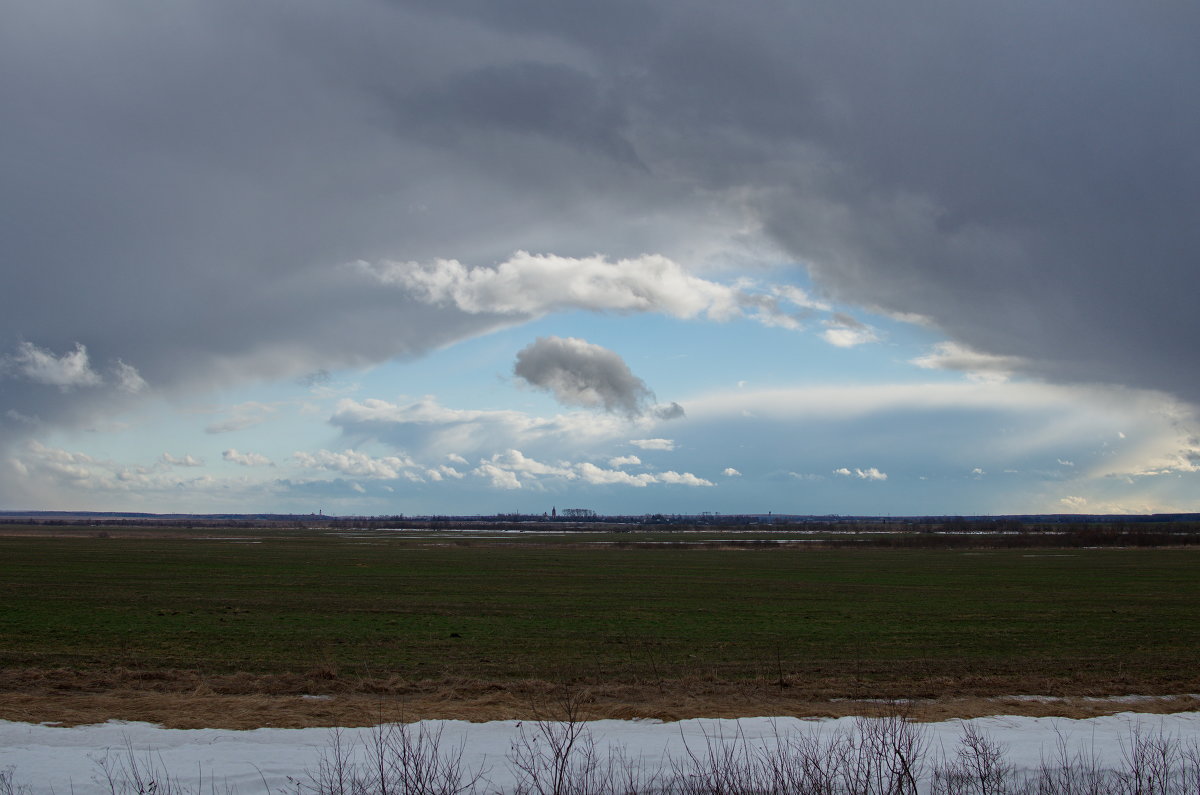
x: 61, y: 759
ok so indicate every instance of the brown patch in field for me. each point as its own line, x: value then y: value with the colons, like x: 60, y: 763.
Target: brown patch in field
x: 187, y: 699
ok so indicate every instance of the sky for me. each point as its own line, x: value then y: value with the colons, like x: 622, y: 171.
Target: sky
x: 382, y: 257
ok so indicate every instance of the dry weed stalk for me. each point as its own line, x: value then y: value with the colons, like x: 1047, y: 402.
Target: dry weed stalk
x: 9, y: 785
x: 396, y: 759
x: 558, y: 755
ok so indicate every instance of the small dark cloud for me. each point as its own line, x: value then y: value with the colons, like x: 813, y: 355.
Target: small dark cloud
x: 671, y: 411
x: 579, y: 373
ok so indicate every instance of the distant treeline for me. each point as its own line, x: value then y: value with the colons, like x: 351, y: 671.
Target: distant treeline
x: 1058, y: 536
x: 901, y: 532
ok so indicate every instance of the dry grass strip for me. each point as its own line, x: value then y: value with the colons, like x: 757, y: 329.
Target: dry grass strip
x: 188, y: 699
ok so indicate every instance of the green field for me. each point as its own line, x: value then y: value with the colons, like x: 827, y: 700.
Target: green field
x: 572, y: 609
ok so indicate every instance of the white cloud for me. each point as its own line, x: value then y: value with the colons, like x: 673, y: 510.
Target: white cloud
x: 849, y: 337
x: 246, y: 459
x: 442, y: 472
x: 596, y: 475
x: 1167, y: 441
x: 844, y: 331
x: 653, y: 444
x: 68, y: 465
x: 978, y: 366
x: 75, y: 479
x: 430, y: 426
x: 1021, y: 424
x: 730, y: 472
x: 66, y: 372
x: 682, y: 479
x: 512, y: 469
x: 623, y: 461
x: 356, y: 464
x: 186, y: 461
x: 517, y: 461
x: 358, y: 487
x: 871, y: 473
x: 800, y: 298
x: 996, y: 428
x: 1074, y: 503
x: 456, y: 458
x: 128, y: 378
x: 534, y: 285
x: 500, y: 478
x: 1167, y: 452
x: 871, y: 399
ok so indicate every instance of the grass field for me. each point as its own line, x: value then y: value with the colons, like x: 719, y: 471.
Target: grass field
x: 339, y: 612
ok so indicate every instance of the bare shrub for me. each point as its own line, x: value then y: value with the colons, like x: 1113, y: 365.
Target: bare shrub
x: 1190, y: 775
x: 879, y: 756
x: 894, y: 748
x: 129, y: 772
x: 724, y: 766
x: 1151, y: 763
x: 809, y: 763
x: 558, y: 755
x: 1067, y: 772
x: 978, y: 769
x: 396, y: 759
x: 9, y: 785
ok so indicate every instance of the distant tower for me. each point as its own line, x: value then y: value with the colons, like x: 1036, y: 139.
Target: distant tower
x: 553, y: 511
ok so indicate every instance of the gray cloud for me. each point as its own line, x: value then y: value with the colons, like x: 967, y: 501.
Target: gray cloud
x: 996, y: 172
x: 178, y: 188
x: 241, y: 416
x: 670, y: 411
x: 579, y: 373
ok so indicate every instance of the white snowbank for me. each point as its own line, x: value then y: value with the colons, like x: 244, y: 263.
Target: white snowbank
x: 64, y: 760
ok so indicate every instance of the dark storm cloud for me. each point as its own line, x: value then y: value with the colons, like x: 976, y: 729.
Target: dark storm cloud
x: 179, y: 183
x: 1019, y: 174
x: 551, y: 101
